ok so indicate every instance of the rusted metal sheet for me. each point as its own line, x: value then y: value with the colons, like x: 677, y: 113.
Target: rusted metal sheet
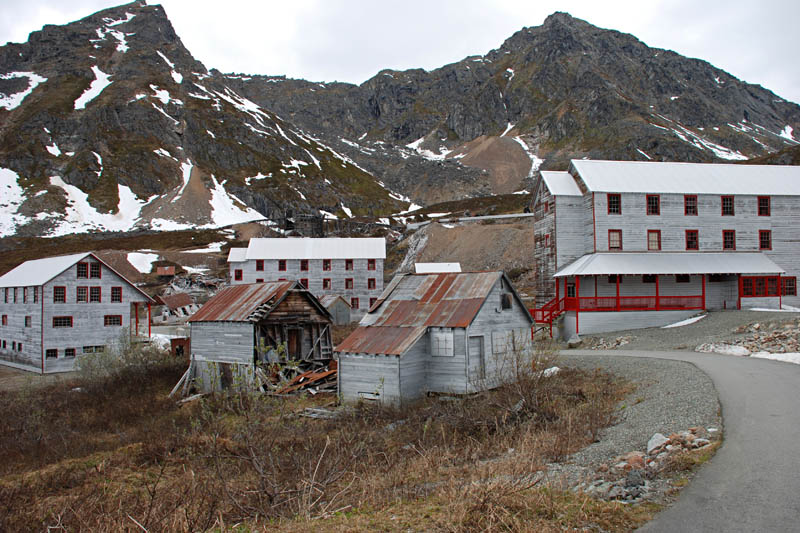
x: 237, y: 303
x: 174, y: 301
x: 165, y: 270
x: 387, y: 340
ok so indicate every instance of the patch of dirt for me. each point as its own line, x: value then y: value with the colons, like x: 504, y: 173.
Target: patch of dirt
x: 502, y: 157
x: 12, y: 379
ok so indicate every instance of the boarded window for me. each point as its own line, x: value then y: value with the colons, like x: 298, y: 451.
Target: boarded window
x: 500, y: 342
x: 441, y: 342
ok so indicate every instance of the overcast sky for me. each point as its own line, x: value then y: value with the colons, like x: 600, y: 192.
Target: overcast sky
x: 351, y: 40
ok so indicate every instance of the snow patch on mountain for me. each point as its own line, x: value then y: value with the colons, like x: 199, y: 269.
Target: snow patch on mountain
x: 101, y: 81
x: 787, y: 134
x: 536, y: 161
x: 11, y: 197
x: 227, y: 209
x: 12, y: 101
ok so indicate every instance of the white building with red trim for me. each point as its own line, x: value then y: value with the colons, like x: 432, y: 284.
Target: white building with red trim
x: 52, y: 310
x: 627, y: 244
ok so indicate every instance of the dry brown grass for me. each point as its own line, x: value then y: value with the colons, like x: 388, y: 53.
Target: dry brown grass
x: 125, y: 458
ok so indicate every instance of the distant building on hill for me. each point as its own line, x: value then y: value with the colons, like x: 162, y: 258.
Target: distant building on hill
x: 349, y: 267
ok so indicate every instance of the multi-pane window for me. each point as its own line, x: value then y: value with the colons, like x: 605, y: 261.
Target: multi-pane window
x: 653, y: 204
x: 763, y: 206
x: 326, y: 284
x: 615, y: 239
x: 282, y: 265
x: 765, y: 239
x: 82, y: 270
x: 326, y: 264
x: 35, y: 294
x: 348, y: 264
x: 727, y: 206
x: 51, y: 353
x: 60, y: 295
x: 112, y: 320
x: 348, y: 283
x: 82, y: 294
x: 614, y: 204
x: 692, y: 239
x: 94, y: 295
x: 69, y: 352
x: 237, y: 274
x: 759, y: 286
x: 116, y: 294
x: 789, y: 286
x: 260, y: 265
x: 62, y: 321
x: 304, y: 282
x: 653, y: 239
x: 371, y: 283
x: 370, y: 264
x: 354, y: 303
x: 728, y: 239
x: 94, y: 270
x: 690, y: 204
x: 304, y: 265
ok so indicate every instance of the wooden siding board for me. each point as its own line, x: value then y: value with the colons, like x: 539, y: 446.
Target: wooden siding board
x: 369, y: 374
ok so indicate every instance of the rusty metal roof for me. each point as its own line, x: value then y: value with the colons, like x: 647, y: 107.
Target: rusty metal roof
x: 238, y: 302
x: 415, y: 302
x: 174, y: 301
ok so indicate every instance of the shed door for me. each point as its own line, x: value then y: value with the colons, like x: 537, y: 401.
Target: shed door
x: 294, y: 344
x: 477, y: 359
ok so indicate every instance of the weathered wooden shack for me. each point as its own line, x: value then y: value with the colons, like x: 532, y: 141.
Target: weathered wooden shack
x: 449, y: 332
x: 243, y: 325
x: 337, y: 307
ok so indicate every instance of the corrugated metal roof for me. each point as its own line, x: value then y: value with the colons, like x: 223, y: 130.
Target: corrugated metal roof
x: 39, y: 271
x: 671, y: 263
x: 560, y: 183
x: 435, y: 268
x: 237, y: 255
x: 310, y: 248
x: 237, y: 303
x: 382, y: 340
x: 682, y: 178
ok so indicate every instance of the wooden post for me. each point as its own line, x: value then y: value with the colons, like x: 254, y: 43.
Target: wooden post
x: 149, y: 320
x: 704, y: 290
x: 658, y: 303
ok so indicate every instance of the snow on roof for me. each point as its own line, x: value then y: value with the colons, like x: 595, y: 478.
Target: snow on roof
x: 39, y: 271
x: 432, y: 268
x: 237, y: 255
x: 629, y: 263
x: 699, y: 178
x: 560, y: 183
x: 311, y: 248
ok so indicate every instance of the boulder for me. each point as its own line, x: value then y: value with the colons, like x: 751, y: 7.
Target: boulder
x: 574, y: 342
x: 655, y: 443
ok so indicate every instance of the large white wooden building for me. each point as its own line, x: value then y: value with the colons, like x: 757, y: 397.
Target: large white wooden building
x: 54, y: 309
x: 624, y: 244
x: 349, y: 267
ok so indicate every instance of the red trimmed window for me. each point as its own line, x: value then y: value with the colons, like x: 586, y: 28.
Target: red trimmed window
x: 373, y: 300
x: 260, y: 265
x: 371, y: 283
x: 24, y: 295
x: 35, y: 294
x: 94, y: 270
x: 654, y: 240
x: 82, y: 294
x: 237, y: 274
x: 682, y: 278
x: 615, y: 239
x: 354, y: 303
x: 348, y: 264
x: 727, y: 206
x: 692, y: 239
x: 62, y: 321
x: 348, y: 283
x: 82, y: 270
x: 756, y: 286
x: 282, y: 265
x: 764, y: 239
x: 326, y: 265
x: 789, y: 286
x: 370, y: 264
x: 15, y: 295
x: 728, y: 239
x: 326, y: 284
x: 259, y: 280
x: 69, y: 352
x: 690, y: 204
x: 764, y: 206
x: 614, y: 202
x: 116, y: 294
x: 304, y: 282
x: 60, y: 295
x: 112, y: 320
x: 95, y: 295
x: 653, y: 204
x: 304, y: 265
x: 5, y: 320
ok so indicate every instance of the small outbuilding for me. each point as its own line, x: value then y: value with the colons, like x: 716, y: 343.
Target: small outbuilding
x: 450, y: 333
x: 243, y: 325
x: 175, y: 307
x: 338, y: 308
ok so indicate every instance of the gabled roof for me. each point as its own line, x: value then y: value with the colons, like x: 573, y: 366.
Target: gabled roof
x: 311, y: 248
x: 560, y: 183
x: 39, y: 271
x: 411, y: 303
x: 682, y: 178
x: 174, y: 301
x: 240, y: 303
x: 634, y: 263
x: 329, y: 299
x: 237, y: 255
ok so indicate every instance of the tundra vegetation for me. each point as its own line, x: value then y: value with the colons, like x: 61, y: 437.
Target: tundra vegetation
x: 106, y: 450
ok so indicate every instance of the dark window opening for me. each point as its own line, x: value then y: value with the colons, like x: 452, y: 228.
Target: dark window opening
x: 371, y: 283
x: 282, y: 265
x: 116, y: 294
x: 304, y: 282
x: 62, y: 321
x: 304, y: 265
x: 51, y: 353
x: 370, y: 264
x: 728, y: 239
x: 326, y: 264
x: 653, y: 204
x: 237, y: 274
x: 648, y: 278
x: 614, y: 204
x: 95, y: 295
x: 94, y: 270
x: 690, y: 204
x: 348, y: 264
x: 681, y: 278
x: 260, y: 265
x: 82, y: 270
x: 765, y: 239
x: 764, y: 206
x: 60, y: 295
x: 112, y: 320
x: 348, y: 283
x: 727, y: 206
x: 326, y: 284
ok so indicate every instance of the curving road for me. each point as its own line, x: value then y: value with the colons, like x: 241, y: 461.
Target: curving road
x: 753, y: 482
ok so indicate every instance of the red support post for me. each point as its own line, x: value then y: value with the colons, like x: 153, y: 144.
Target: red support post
x: 658, y: 303
x: 617, y: 292
x: 704, y: 291
x: 780, y: 293
x: 577, y: 300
